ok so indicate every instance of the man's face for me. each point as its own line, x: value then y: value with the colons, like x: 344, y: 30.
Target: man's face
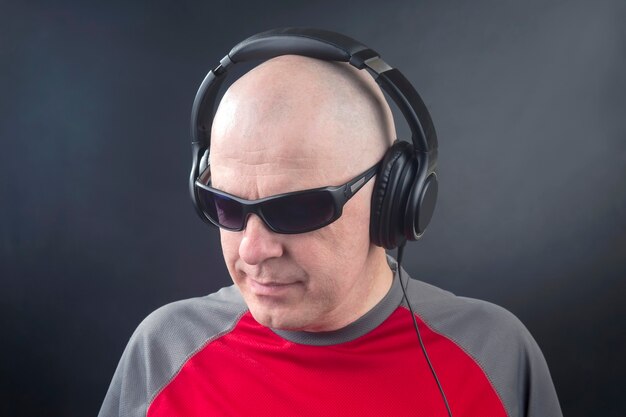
x: 303, y: 281
x: 274, y: 135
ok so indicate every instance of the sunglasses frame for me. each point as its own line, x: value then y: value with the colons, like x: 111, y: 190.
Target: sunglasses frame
x: 340, y: 195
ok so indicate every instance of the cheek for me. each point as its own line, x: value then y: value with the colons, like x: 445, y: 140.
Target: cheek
x: 351, y: 230
x: 334, y: 250
x: 230, y: 248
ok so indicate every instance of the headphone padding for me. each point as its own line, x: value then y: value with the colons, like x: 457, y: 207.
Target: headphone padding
x: 420, y: 207
x: 386, y: 182
x: 398, y: 200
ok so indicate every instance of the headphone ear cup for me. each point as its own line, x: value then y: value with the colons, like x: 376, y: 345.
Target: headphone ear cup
x: 389, y: 197
x: 420, y: 207
x: 399, y: 200
x: 202, y: 165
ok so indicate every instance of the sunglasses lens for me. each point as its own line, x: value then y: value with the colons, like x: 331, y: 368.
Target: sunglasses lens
x: 222, y: 210
x: 300, y: 212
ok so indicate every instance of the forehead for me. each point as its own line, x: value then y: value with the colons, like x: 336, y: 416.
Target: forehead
x: 274, y: 134
x: 264, y: 171
x: 255, y: 158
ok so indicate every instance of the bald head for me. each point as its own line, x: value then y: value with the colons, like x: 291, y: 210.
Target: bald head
x: 328, y: 116
x: 296, y: 123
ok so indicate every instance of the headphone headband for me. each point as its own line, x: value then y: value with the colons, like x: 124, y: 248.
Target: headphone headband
x: 405, y: 189
x: 320, y: 44
x: 316, y: 43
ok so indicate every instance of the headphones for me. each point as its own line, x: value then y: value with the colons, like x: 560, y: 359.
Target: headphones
x: 405, y: 191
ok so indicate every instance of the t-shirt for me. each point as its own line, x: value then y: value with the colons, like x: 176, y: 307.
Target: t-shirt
x: 207, y: 356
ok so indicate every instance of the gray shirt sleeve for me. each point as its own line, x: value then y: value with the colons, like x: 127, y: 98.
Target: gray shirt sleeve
x: 498, y: 342
x: 161, y: 345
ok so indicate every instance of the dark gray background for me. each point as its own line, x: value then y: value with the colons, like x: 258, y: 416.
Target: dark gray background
x: 97, y: 229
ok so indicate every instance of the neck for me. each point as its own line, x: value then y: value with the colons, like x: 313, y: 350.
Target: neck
x: 378, y: 276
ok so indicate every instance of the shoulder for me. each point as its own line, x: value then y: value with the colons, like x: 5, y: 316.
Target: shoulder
x: 163, y: 342
x: 496, y: 340
x: 464, y: 319
x: 171, y: 334
x: 202, y: 316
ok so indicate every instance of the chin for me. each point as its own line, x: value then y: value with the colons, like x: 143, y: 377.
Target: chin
x: 277, y: 319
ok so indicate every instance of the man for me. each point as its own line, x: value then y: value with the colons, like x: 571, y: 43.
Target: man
x: 316, y: 324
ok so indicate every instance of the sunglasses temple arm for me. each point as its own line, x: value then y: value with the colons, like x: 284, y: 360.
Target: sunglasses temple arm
x: 356, y: 184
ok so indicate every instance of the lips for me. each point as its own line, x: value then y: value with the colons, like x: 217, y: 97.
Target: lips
x: 270, y: 288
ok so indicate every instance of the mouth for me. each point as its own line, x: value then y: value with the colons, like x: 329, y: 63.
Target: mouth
x: 271, y: 288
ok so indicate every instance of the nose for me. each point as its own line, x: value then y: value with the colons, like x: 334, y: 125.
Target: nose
x: 259, y: 243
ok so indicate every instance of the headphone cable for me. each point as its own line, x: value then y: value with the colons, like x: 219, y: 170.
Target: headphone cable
x: 400, y: 253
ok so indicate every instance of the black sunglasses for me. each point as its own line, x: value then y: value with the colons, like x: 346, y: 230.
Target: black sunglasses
x: 288, y: 213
